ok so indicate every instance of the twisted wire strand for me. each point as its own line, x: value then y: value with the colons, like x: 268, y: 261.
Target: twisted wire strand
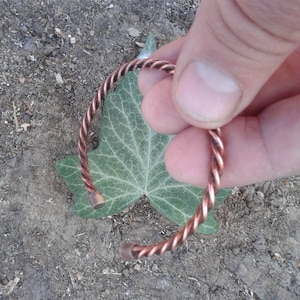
x: 133, y: 250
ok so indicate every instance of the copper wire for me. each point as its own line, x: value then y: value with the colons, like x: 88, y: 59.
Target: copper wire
x: 133, y: 250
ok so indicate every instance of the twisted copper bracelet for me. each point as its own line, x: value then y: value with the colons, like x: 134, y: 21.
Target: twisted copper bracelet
x: 133, y: 250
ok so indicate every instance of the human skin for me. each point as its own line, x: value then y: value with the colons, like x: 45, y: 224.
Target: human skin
x: 239, y: 69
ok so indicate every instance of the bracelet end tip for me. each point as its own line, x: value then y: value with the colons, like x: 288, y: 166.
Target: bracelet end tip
x: 126, y: 251
x: 96, y: 200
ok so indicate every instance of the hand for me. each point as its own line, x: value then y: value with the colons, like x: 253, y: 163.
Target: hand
x: 238, y: 68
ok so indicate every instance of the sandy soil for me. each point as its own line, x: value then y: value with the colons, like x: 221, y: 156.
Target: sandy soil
x: 53, y: 56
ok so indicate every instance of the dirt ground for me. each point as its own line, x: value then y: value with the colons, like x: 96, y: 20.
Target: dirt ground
x: 53, y: 56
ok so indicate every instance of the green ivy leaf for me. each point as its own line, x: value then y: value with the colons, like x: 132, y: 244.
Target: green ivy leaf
x: 129, y: 165
x: 150, y: 47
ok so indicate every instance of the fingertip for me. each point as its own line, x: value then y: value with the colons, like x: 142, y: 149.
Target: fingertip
x: 159, y: 111
x: 187, y: 157
x: 148, y: 78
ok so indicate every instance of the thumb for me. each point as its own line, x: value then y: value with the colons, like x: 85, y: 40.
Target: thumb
x: 231, y: 50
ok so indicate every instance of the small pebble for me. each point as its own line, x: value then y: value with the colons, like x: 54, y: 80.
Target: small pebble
x: 30, y: 44
x: 36, y: 26
x: 260, y: 195
x: 72, y: 40
x: 133, y: 32
x: 137, y: 267
x: 48, y: 49
x: 125, y: 273
x: 155, y: 268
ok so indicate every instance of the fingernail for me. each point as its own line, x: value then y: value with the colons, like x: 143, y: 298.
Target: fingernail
x: 206, y: 94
